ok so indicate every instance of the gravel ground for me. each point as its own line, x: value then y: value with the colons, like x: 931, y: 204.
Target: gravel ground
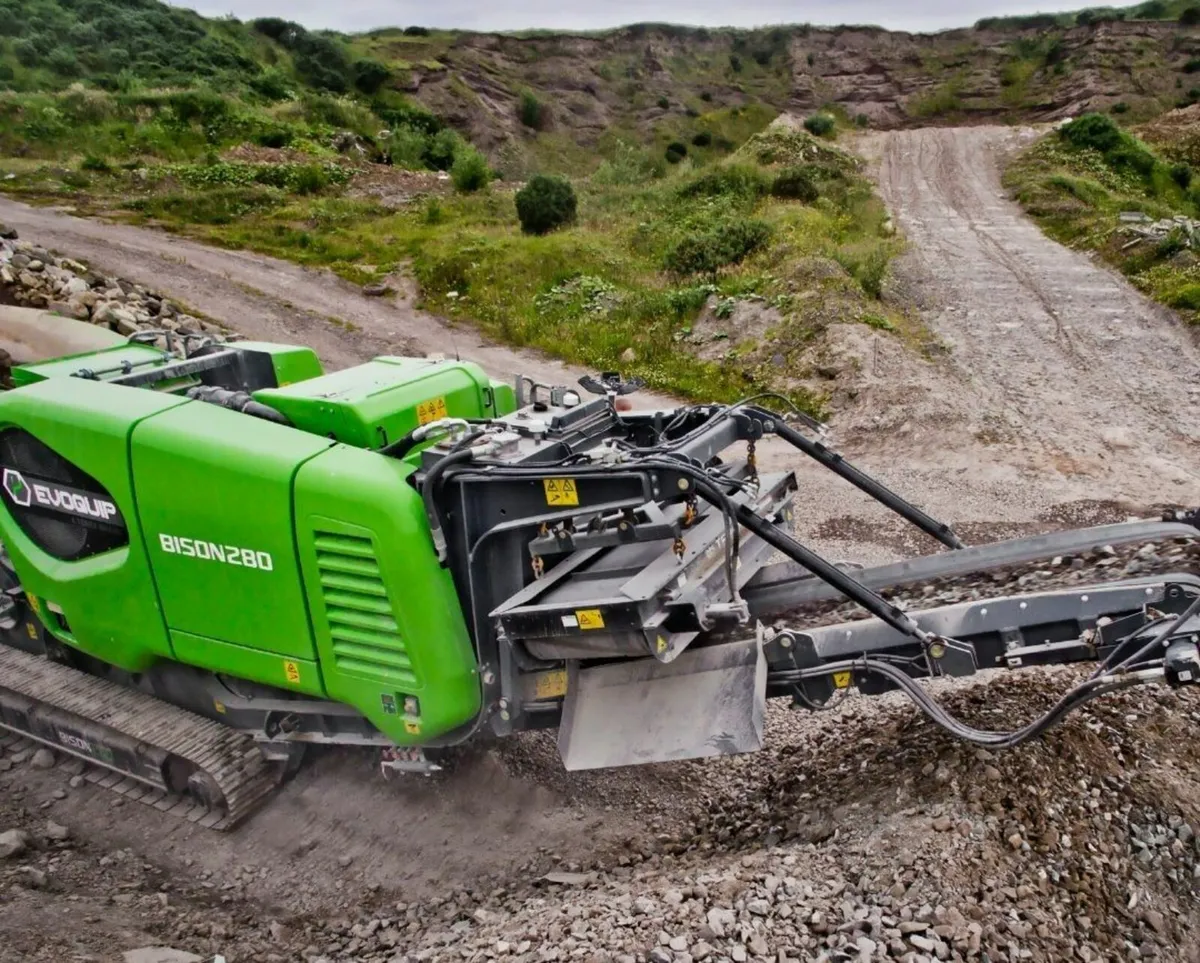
x: 862, y: 833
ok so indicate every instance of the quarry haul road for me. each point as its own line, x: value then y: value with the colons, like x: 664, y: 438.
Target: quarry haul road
x: 1065, y: 398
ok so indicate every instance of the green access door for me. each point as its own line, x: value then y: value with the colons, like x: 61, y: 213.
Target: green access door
x: 214, y: 493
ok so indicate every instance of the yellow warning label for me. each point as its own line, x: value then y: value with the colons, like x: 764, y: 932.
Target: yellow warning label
x: 31, y: 629
x: 432, y: 410
x: 561, y: 491
x: 34, y: 603
x: 412, y: 728
x: 551, y: 685
x: 590, y: 618
x: 841, y: 680
x: 291, y: 672
x: 660, y: 644
x: 219, y: 706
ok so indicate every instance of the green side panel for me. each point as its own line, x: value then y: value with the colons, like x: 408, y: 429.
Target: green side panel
x: 291, y: 362
x: 109, y: 600
x: 505, y: 397
x: 373, y: 404
x: 385, y: 613
x: 214, y: 491
x: 300, y: 675
x: 106, y: 364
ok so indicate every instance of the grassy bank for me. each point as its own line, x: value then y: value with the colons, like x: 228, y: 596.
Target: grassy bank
x: 712, y: 281
x: 1077, y: 181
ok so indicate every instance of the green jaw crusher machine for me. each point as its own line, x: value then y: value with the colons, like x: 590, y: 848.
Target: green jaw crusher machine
x: 218, y: 556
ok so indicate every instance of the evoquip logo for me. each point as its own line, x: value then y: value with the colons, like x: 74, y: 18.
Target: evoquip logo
x: 30, y: 492
x: 14, y: 484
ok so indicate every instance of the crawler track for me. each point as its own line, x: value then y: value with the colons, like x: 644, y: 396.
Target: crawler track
x: 138, y: 746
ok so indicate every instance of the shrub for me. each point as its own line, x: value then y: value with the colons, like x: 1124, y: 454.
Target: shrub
x: 862, y: 120
x: 309, y: 179
x: 676, y: 151
x: 441, y: 149
x: 1186, y: 297
x: 735, y: 63
x: 737, y: 180
x: 416, y: 31
x: 1120, y: 107
x: 868, y: 269
x: 1192, y: 66
x: 1190, y: 16
x: 726, y: 243
x: 706, y: 97
x: 1094, y: 131
x: 795, y: 183
x: 545, y: 203
x: 820, y: 125
x: 628, y: 165
x: 470, y: 172
x: 370, y: 75
x: 702, y: 139
x: 1181, y: 174
x: 93, y: 163
x: 664, y: 103
x: 530, y: 110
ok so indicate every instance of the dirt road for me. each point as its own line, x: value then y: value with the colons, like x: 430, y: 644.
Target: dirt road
x: 1056, y: 361
x: 1064, y: 397
x: 268, y: 299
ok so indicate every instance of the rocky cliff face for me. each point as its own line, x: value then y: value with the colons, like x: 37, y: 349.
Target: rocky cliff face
x: 655, y: 83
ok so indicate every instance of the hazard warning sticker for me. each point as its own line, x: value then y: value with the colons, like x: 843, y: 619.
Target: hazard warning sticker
x: 590, y: 618
x: 291, y: 672
x: 432, y: 410
x: 841, y: 680
x: 561, y: 491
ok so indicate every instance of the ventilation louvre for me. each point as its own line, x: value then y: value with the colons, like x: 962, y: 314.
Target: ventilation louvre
x: 362, y: 623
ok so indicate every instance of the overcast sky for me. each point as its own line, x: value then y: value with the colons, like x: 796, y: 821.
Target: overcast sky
x: 354, y: 15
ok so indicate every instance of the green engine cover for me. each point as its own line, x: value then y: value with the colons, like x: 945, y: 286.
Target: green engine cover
x: 291, y: 556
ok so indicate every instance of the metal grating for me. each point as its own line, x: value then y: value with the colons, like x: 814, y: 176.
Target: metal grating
x: 362, y: 623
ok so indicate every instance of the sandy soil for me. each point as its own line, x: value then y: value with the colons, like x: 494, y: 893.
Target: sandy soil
x: 1064, y: 398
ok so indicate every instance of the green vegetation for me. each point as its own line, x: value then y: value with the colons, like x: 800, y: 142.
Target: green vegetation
x: 1077, y: 182
x: 1184, y: 11
x: 820, y: 125
x: 271, y: 137
x: 546, y: 203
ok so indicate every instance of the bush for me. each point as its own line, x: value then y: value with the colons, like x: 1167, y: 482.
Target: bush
x: 530, y: 110
x: 862, y: 120
x: 736, y: 180
x: 370, y: 75
x: 1192, y: 66
x: 795, y: 183
x: 441, y: 149
x: 1181, y: 174
x: 470, y: 172
x: 93, y: 163
x: 706, y: 97
x: 628, y: 165
x: 1120, y: 107
x: 545, y: 203
x: 729, y: 242
x: 676, y: 151
x: 702, y: 139
x: 664, y: 103
x: 735, y: 63
x: 1190, y: 16
x: 820, y: 125
x: 1094, y: 131
x: 416, y: 31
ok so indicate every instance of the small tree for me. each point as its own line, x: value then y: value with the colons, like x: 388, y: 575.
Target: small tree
x: 820, y: 125
x: 1190, y: 16
x: 370, y: 75
x: 676, y: 151
x: 1181, y: 174
x: 545, y: 203
x: 470, y: 172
